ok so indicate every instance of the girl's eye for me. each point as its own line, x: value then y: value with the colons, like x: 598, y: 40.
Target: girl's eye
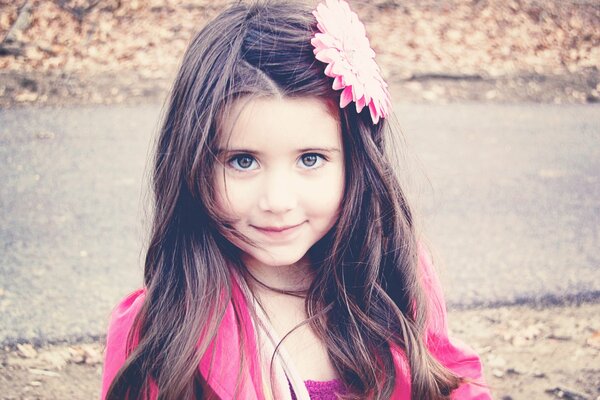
x: 243, y: 162
x: 312, y: 160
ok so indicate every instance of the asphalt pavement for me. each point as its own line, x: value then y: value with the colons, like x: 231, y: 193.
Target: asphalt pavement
x: 510, y: 197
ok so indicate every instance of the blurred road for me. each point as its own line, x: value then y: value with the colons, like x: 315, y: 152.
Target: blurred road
x: 513, y: 207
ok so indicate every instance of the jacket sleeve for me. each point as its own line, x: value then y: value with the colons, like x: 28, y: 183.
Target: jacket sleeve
x: 120, y: 324
x: 452, y: 353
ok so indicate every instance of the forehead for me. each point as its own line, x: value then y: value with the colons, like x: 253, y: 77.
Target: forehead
x: 279, y: 122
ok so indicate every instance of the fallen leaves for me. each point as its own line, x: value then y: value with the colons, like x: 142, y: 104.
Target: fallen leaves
x: 492, y: 39
x: 494, y: 36
x: 50, y: 372
x: 43, y: 372
x: 569, y: 394
x: 54, y: 358
x: 594, y: 340
x: 524, y: 336
x: 26, y: 97
x: 26, y: 351
x: 85, y: 354
x: 544, y: 353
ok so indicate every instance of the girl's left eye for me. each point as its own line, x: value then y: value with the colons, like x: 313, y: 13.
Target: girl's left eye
x: 312, y: 160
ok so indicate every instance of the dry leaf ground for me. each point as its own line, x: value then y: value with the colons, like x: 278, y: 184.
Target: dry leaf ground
x: 528, y: 353
x: 64, y: 52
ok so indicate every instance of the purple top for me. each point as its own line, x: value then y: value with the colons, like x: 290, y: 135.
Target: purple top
x: 326, y: 390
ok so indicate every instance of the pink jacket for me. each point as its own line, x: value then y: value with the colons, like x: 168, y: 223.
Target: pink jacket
x: 454, y: 354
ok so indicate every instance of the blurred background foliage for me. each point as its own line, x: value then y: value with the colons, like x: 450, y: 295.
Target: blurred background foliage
x: 115, y: 50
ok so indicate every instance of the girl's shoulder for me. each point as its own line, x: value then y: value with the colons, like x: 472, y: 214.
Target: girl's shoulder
x: 123, y: 315
x: 126, y: 310
x: 121, y: 320
x: 436, y: 305
x: 129, y: 303
x: 452, y: 353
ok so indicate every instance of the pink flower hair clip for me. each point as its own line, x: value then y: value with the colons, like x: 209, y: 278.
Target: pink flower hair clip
x: 343, y: 45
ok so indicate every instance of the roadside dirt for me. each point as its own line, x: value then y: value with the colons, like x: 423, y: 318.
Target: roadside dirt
x: 528, y: 354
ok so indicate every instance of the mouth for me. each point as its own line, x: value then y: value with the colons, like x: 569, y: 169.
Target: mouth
x: 278, y: 231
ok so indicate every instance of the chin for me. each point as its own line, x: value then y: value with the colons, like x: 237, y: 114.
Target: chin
x: 279, y: 260
x: 274, y: 258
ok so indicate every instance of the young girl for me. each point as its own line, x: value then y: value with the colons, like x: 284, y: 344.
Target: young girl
x: 283, y: 261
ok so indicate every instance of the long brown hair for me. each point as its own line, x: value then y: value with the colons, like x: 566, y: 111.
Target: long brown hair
x: 366, y: 295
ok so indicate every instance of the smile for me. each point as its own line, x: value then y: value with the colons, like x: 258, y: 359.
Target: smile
x: 278, y: 232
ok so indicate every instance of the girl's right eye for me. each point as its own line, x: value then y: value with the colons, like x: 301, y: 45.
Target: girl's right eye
x: 243, y: 162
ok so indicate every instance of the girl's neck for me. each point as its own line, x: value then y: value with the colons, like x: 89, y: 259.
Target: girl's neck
x: 272, y: 280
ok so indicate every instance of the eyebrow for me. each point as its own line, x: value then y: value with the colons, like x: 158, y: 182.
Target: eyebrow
x: 258, y: 153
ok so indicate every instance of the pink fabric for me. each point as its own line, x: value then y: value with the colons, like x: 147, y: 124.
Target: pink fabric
x: 452, y: 353
x: 116, y: 339
x: 223, y: 366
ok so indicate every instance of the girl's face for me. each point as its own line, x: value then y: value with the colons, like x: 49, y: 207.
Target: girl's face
x: 280, y: 176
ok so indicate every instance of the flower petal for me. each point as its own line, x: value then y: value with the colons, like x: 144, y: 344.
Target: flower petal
x: 346, y: 96
x: 360, y: 103
x: 338, y: 83
x: 374, y: 113
x: 328, y: 55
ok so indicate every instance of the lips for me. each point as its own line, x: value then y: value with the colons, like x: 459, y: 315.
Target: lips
x: 277, y: 231
x: 276, y: 228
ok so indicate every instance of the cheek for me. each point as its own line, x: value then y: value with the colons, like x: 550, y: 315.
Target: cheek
x: 232, y: 199
x: 327, y: 195
x: 223, y: 194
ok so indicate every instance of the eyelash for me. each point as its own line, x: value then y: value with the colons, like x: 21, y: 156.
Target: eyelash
x: 238, y: 157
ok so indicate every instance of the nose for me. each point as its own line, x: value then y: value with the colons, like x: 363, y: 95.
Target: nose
x: 278, y: 195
